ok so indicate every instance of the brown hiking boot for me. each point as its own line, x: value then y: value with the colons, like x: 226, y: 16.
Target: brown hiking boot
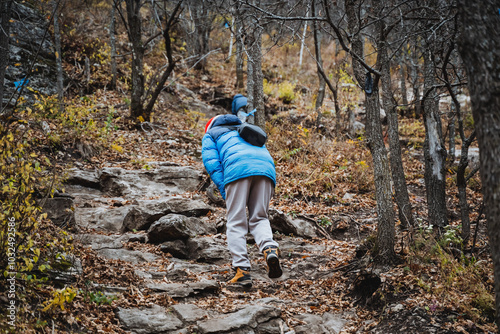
x: 271, y: 255
x: 242, y: 277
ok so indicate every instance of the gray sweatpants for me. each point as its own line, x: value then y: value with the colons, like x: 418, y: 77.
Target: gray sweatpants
x: 253, y: 192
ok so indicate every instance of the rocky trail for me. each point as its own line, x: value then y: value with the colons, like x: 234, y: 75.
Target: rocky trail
x: 173, y: 244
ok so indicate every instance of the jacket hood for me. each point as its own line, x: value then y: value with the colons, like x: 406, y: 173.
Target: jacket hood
x: 239, y: 101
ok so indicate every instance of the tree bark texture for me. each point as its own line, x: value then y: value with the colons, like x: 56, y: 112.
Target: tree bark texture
x: 203, y: 25
x: 5, y: 12
x: 60, y: 73
x: 385, y: 228
x: 319, y: 64
x: 434, y: 150
x: 239, y: 56
x: 135, y: 36
x: 397, y: 170
x: 480, y: 49
x: 112, y: 42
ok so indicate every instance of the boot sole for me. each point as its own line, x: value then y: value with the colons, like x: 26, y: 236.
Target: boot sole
x: 274, y: 267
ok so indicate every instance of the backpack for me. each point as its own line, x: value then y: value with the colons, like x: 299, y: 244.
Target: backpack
x: 251, y: 133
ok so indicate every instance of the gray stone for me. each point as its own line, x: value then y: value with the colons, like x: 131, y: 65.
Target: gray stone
x: 99, y: 241
x: 327, y: 324
x: 101, y: 219
x: 162, y: 181
x: 246, y: 319
x: 176, y: 248
x: 177, y: 227
x: 27, y: 31
x: 334, y: 322
x: 299, y: 227
x: 113, y: 241
x: 189, y: 313
x: 60, y: 210
x: 131, y: 256
x: 182, y: 290
x: 207, y: 249
x: 85, y: 178
x: 146, y: 212
x: 148, y: 320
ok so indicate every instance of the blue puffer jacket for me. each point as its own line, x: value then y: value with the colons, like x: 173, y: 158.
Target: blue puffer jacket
x: 228, y: 157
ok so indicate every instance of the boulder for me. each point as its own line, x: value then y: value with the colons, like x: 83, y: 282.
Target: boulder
x: 127, y: 255
x: 178, y: 227
x: 207, y: 249
x: 176, y: 248
x: 83, y: 177
x: 189, y: 313
x: 162, y: 181
x: 183, y: 290
x: 27, y: 39
x: 146, y: 212
x: 155, y: 319
x: 60, y: 210
x: 102, y: 218
x: 246, y: 320
x: 297, y: 226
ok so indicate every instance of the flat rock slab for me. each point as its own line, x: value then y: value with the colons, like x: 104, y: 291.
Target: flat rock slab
x: 328, y: 323
x: 102, y: 218
x: 246, y: 320
x: 189, y: 313
x: 127, y: 255
x: 154, y: 320
x: 183, y: 290
x: 162, y: 181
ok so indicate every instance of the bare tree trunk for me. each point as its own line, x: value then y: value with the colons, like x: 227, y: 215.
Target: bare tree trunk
x: 434, y: 150
x: 203, y: 26
x: 303, y: 41
x: 135, y: 37
x: 319, y: 59
x: 412, y: 61
x: 480, y: 50
x: 60, y: 74
x: 255, y: 88
x: 239, y: 55
x: 398, y: 174
x: 112, y: 42
x: 385, y: 228
x: 5, y: 12
x: 402, y: 78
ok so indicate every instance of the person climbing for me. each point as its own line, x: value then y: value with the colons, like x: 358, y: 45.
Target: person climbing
x: 238, y: 108
x: 246, y: 177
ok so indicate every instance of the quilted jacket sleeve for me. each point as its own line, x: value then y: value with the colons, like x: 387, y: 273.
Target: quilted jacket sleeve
x: 212, y: 163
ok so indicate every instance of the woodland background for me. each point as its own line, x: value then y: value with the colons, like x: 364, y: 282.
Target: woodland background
x: 376, y: 107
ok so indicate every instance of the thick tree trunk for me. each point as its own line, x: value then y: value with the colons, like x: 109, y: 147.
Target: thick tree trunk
x: 135, y: 37
x: 412, y: 62
x: 480, y: 50
x: 319, y: 59
x: 60, y: 73
x: 203, y: 25
x: 398, y: 174
x: 258, y: 88
x: 402, y: 83
x: 5, y: 11
x: 434, y: 150
x: 239, y: 56
x: 112, y: 42
x: 385, y: 228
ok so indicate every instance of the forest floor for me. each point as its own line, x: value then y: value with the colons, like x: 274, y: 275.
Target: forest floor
x: 433, y: 289
x: 439, y: 284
